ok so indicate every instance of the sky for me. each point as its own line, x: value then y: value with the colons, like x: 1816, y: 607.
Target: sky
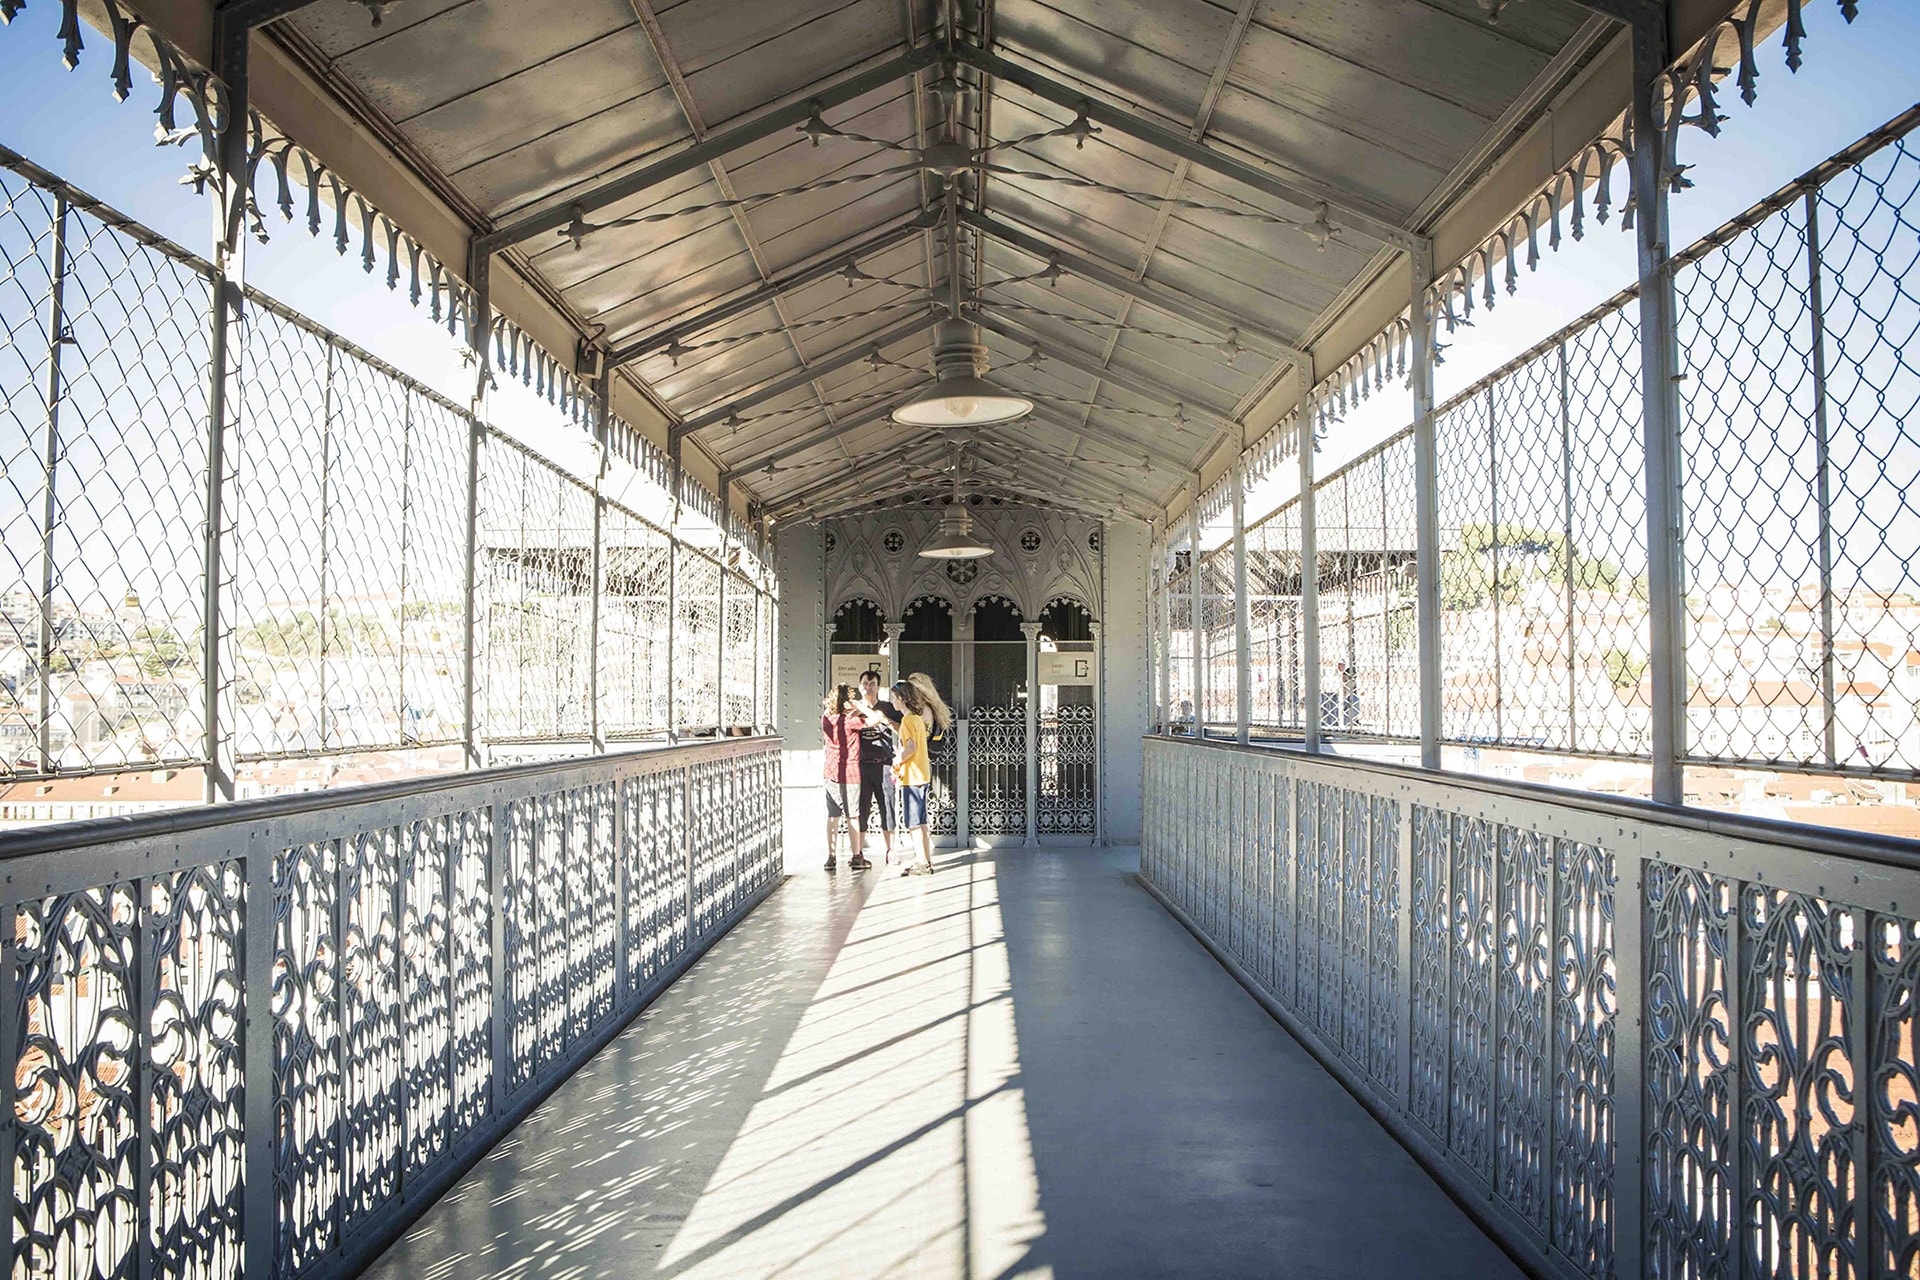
x: 1855, y: 77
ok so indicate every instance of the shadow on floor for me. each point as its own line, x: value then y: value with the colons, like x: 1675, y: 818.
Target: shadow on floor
x: 1018, y: 1067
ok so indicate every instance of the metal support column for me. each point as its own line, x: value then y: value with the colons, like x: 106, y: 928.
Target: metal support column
x: 1159, y: 593
x: 1660, y: 401
x: 57, y: 337
x: 225, y: 338
x: 1426, y: 513
x: 1100, y: 719
x: 673, y: 592
x: 1823, y: 476
x: 1031, y: 630
x: 1242, y: 608
x: 720, y: 616
x: 602, y: 396
x: 224, y: 343
x: 479, y: 320
x: 1310, y: 711
x: 1196, y: 613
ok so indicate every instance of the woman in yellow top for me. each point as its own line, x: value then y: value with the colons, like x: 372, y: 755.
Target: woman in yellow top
x: 923, y: 715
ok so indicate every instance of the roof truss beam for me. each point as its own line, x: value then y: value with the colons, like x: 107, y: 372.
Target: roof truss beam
x: 851, y: 354
x: 830, y: 262
x: 715, y: 147
x: 1121, y: 120
x: 1177, y: 305
x: 1091, y: 365
x: 813, y: 439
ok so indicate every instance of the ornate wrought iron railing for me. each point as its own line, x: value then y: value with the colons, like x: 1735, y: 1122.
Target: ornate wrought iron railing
x: 1633, y: 1040
x: 257, y: 1040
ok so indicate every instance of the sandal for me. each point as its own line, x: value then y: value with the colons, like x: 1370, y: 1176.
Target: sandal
x: 859, y: 863
x: 830, y: 862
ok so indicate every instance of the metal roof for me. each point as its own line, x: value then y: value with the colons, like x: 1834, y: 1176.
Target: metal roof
x: 1182, y: 293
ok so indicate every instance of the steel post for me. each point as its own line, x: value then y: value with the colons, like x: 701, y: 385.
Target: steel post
x: 1823, y: 479
x: 1242, y: 608
x: 1031, y: 630
x: 1426, y: 513
x: 1310, y: 711
x: 1100, y: 713
x: 1660, y: 405
x: 720, y: 617
x: 50, y: 514
x: 673, y: 592
x: 602, y: 395
x: 479, y: 320
x: 1196, y: 615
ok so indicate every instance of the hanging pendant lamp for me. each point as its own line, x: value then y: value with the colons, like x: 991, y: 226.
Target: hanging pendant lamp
x: 960, y: 396
x: 955, y: 541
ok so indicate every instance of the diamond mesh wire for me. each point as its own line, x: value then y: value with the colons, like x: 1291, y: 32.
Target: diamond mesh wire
x: 1180, y: 668
x: 1400, y: 640
x: 349, y: 488
x: 1469, y: 566
x: 1273, y: 580
x: 27, y: 218
x: 1219, y: 661
x: 1803, y: 613
x: 1869, y: 251
x: 1608, y: 519
x: 1531, y: 542
x: 737, y: 652
x: 696, y: 640
x: 103, y: 440
x: 1369, y: 649
x: 534, y: 580
x: 636, y: 565
x: 764, y: 640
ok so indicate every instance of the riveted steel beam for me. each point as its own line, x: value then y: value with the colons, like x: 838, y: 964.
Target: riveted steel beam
x: 1112, y: 435
x: 715, y: 147
x: 854, y: 353
x: 1090, y: 365
x: 1373, y: 225
x: 814, y: 439
x: 1159, y: 297
x: 760, y: 295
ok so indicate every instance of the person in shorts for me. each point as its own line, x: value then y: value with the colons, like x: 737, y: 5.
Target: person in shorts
x: 924, y: 715
x: 877, y: 744
x: 840, y: 726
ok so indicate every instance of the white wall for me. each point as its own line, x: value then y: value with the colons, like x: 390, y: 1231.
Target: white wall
x: 1127, y: 683
x: 801, y: 562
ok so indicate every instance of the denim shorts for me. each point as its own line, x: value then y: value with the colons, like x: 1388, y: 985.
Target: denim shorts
x: 913, y: 805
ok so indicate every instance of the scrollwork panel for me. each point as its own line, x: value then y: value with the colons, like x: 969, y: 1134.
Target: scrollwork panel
x: 195, y: 1070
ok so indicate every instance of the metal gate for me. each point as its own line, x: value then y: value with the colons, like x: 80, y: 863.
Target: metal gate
x: 1068, y: 747
x: 997, y: 771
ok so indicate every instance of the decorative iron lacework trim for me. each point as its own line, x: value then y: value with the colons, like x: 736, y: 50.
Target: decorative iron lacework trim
x: 1689, y: 95
x: 448, y: 299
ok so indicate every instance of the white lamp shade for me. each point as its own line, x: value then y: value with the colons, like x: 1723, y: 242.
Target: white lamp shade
x: 962, y: 402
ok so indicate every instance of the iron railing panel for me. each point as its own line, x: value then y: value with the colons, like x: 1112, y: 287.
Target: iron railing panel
x: 1627, y: 1024
x: 135, y: 974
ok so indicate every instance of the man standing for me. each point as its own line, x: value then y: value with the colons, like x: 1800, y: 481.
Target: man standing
x: 876, y: 767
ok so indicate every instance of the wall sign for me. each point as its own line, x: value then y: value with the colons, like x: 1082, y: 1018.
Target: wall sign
x: 1068, y: 668
x: 849, y: 667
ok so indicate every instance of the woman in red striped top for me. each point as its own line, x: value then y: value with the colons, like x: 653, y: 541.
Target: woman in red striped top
x: 840, y: 726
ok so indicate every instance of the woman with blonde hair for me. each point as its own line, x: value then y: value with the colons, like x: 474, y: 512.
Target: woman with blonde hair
x: 941, y: 713
x: 924, y: 716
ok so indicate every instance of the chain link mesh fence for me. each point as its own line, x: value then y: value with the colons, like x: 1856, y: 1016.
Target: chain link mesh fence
x: 343, y: 606
x: 1803, y: 608
x: 104, y: 444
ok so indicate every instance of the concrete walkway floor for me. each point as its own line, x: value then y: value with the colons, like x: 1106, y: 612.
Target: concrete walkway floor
x: 1020, y: 1066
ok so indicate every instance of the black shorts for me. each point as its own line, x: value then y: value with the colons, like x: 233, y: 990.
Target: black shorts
x: 839, y: 798
x: 876, y: 787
